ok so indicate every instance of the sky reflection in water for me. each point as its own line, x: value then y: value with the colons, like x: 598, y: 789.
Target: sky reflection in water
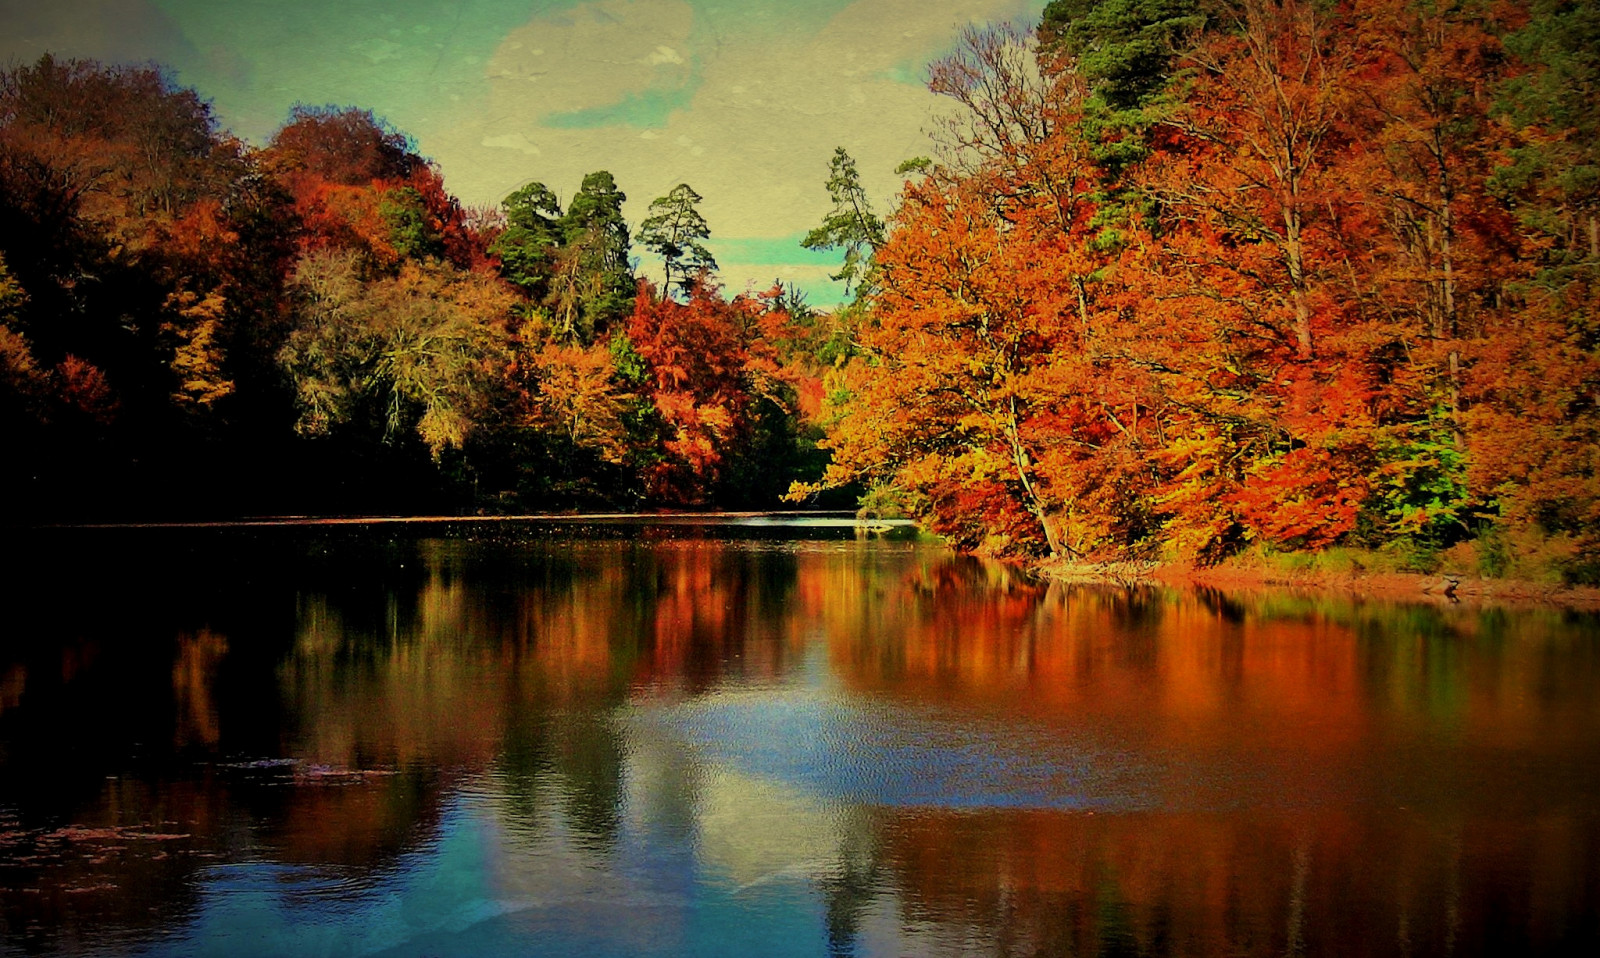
x: 781, y: 741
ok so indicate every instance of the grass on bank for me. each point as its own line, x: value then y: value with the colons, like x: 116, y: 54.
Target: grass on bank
x: 1530, y: 556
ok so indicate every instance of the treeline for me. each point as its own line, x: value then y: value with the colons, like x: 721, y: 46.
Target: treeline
x: 193, y: 326
x: 1198, y: 277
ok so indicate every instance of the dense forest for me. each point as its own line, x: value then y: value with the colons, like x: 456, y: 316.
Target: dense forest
x: 1183, y: 278
x: 193, y: 327
x: 1191, y: 278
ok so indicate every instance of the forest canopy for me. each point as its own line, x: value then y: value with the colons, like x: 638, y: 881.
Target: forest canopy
x: 190, y: 325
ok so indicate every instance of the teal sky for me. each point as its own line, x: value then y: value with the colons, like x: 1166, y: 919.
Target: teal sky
x: 742, y: 99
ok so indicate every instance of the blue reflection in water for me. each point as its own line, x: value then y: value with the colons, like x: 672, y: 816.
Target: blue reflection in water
x: 877, y: 754
x: 260, y: 908
x: 479, y: 888
x: 443, y: 900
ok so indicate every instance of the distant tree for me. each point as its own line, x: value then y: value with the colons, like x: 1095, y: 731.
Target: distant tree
x: 344, y: 145
x: 573, y: 265
x: 597, y: 233
x: 532, y: 235
x: 597, y: 206
x: 675, y: 231
x: 850, y: 225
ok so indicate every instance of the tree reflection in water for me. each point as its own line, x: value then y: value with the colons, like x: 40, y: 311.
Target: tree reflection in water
x: 681, y: 743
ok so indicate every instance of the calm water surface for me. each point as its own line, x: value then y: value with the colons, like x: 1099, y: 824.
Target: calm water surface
x: 764, y: 739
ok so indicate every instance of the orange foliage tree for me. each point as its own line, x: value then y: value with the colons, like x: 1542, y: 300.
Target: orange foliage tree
x: 1307, y: 286
x: 709, y: 366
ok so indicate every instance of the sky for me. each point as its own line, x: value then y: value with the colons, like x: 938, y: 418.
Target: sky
x: 744, y: 100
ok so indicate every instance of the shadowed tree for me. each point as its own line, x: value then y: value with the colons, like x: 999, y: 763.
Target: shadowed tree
x: 1557, y: 105
x: 413, y: 354
x: 344, y: 145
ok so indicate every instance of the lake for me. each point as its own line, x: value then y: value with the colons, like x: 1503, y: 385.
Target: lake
x: 765, y: 737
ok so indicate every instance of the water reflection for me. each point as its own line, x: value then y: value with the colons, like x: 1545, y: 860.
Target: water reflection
x: 282, y: 743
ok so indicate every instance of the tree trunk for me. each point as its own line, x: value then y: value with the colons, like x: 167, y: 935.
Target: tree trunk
x: 1448, y: 297
x: 1020, y: 459
x: 1083, y: 310
x: 1294, y: 257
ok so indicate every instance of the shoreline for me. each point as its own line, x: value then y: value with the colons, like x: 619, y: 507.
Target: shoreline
x: 1401, y: 586
x: 663, y: 517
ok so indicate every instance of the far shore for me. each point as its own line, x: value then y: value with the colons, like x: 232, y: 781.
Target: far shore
x: 662, y: 517
x: 1405, y: 586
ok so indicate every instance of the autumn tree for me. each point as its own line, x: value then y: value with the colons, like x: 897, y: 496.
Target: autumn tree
x: 987, y: 314
x: 99, y: 168
x: 359, y: 184
x: 153, y: 252
x: 578, y: 399
x: 404, y: 357
x: 346, y: 146
x: 21, y: 380
x: 1248, y: 266
x: 1430, y: 244
x: 965, y: 323
x: 1534, y: 386
x: 1262, y: 127
x: 695, y: 352
x: 1017, y: 135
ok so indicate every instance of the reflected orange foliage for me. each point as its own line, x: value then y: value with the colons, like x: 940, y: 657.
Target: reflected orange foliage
x: 523, y: 667
x: 1068, y: 883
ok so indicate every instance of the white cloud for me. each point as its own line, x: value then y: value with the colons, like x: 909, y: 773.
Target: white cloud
x: 512, y: 141
x: 663, y: 55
